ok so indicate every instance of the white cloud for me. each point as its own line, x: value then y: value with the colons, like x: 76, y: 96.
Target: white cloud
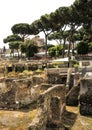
x: 16, y: 11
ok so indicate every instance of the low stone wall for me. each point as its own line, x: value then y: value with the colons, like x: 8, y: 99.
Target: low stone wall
x: 15, y: 93
x: 86, y: 96
x: 56, y: 75
x: 26, y: 91
x: 81, y: 57
x: 7, y: 94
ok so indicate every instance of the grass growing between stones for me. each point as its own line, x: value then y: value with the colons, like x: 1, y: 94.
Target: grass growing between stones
x: 16, y: 120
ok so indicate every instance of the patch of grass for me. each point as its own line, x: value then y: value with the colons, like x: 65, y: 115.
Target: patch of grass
x: 32, y: 114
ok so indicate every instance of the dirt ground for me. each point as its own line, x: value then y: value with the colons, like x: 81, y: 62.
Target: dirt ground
x: 16, y: 120
x: 20, y: 120
x: 77, y: 121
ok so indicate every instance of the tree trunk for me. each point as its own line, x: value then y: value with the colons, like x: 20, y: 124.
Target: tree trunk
x: 18, y: 53
x: 46, y: 46
x: 21, y: 55
x: 69, y: 47
x: 63, y: 48
x: 73, y: 49
x: 13, y: 53
x: 68, y: 54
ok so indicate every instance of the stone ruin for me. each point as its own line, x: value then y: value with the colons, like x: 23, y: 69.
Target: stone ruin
x: 51, y: 105
x: 56, y: 75
x: 78, y: 84
x: 86, y: 96
x: 14, y: 93
x: 52, y: 102
x: 61, y: 87
x: 50, y: 98
x: 73, y: 93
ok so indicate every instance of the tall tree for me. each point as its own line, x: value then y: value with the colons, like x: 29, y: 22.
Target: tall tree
x: 22, y: 48
x: 55, y: 36
x: 14, y: 42
x: 59, y: 18
x: 45, y: 25
x: 61, y: 36
x: 30, y: 48
x: 84, y: 11
x: 22, y: 29
x: 14, y: 45
x: 65, y: 19
x: 11, y: 38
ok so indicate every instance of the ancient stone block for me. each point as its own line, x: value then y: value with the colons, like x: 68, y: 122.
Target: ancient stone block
x: 86, y: 96
x: 56, y: 75
x: 53, y: 99
x: 15, y: 93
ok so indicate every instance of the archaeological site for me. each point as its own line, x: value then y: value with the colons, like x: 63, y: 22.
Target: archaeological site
x: 44, y: 99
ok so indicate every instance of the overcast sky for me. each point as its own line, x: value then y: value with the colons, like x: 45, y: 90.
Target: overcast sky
x: 25, y: 11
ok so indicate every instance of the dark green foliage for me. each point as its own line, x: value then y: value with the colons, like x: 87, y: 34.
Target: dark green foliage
x: 55, y: 51
x: 52, y: 51
x: 90, y: 46
x: 22, y: 29
x: 79, y: 14
x: 82, y: 47
x: 14, y: 45
x: 84, y: 10
x: 23, y: 47
x: 31, y: 48
x: 11, y: 38
x: 48, y: 46
x: 19, y: 69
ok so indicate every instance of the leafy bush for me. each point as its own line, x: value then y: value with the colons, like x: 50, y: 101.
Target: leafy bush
x: 82, y: 47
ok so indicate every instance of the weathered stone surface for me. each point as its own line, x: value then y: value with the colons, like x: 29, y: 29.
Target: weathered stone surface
x: 35, y: 92
x: 55, y: 126
x: 23, y: 92
x: 86, y: 96
x: 2, y: 70
x: 15, y: 93
x: 73, y: 93
x: 53, y: 94
x: 39, y: 123
x: 72, y: 96
x: 71, y: 81
x: 45, y: 86
x: 56, y: 75
x: 38, y: 79
x: 7, y: 94
x: 51, y: 104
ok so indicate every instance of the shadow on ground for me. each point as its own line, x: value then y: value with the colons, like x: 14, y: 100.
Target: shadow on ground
x: 67, y: 121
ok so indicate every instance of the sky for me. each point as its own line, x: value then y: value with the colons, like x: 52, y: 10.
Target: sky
x: 24, y: 11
